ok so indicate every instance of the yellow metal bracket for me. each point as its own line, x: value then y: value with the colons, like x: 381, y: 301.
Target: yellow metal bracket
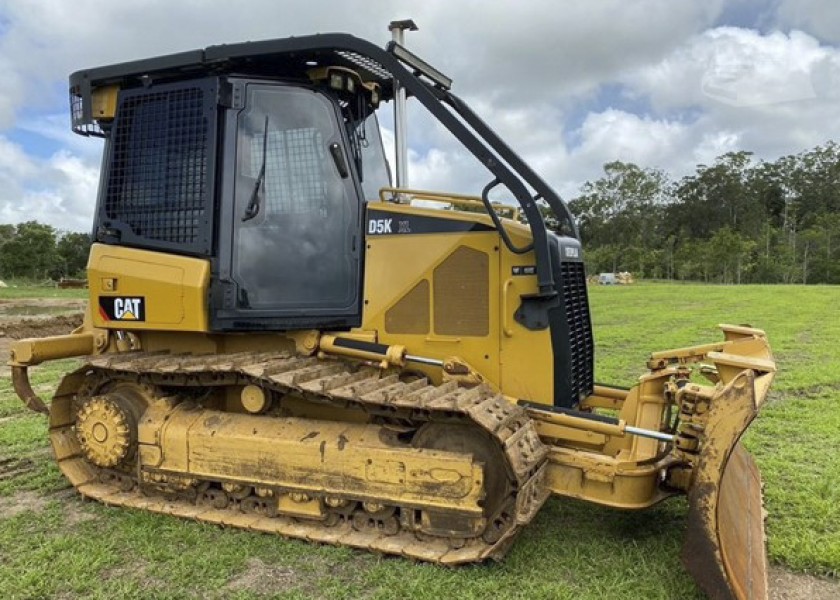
x: 33, y: 351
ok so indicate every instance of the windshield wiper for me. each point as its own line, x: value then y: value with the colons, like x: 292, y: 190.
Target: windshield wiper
x: 253, y: 208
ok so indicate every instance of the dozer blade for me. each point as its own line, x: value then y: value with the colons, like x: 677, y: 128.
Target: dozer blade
x: 724, y: 548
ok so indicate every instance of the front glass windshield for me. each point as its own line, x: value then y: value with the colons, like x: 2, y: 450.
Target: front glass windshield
x: 374, y: 170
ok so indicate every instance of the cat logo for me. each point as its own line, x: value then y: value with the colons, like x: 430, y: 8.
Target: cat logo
x: 126, y: 309
x: 122, y: 308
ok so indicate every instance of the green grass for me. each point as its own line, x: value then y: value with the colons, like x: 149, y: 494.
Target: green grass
x: 27, y: 290
x: 796, y: 439
x: 64, y: 547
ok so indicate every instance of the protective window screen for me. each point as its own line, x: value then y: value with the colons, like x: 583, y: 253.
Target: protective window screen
x: 293, y: 170
x: 157, y: 185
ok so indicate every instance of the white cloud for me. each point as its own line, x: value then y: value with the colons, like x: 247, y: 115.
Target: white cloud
x: 684, y: 125
x: 714, y: 143
x: 514, y: 53
x: 772, y: 94
x: 59, y: 191
x: 629, y: 137
x: 55, y: 128
x: 11, y: 94
x: 820, y: 17
x: 740, y: 68
x: 505, y: 49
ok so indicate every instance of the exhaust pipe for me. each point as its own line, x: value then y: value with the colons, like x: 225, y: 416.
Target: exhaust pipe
x: 398, y: 29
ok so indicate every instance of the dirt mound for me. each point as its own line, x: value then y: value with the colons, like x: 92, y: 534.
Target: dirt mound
x: 33, y: 327
x: 40, y: 327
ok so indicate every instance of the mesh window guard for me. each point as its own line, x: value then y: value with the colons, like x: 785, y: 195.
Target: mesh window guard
x: 294, y: 180
x: 158, y: 187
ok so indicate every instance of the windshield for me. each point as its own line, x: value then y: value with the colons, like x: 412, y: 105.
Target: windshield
x: 373, y: 170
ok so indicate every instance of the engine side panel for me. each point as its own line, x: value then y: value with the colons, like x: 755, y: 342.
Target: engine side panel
x: 143, y: 289
x: 431, y: 285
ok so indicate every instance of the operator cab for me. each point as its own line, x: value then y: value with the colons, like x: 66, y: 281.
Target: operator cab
x: 296, y: 158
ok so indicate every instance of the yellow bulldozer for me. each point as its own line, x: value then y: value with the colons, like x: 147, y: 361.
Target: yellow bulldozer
x: 279, y: 338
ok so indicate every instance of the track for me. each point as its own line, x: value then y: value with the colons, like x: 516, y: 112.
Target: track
x: 331, y: 382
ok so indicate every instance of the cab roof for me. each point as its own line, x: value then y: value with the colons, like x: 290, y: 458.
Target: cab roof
x: 286, y: 58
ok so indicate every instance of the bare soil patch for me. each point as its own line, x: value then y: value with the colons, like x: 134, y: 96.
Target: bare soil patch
x: 785, y: 585
x: 12, y: 506
x: 138, y: 571
x: 133, y: 570
x: 72, y: 507
x: 261, y: 579
x: 17, y: 308
x: 40, y: 326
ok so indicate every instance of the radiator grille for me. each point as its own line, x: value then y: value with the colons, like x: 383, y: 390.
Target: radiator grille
x: 157, y: 184
x: 462, y: 294
x: 411, y: 313
x: 580, y: 328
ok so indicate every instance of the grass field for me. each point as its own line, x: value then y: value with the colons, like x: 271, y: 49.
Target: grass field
x: 15, y: 291
x: 54, y: 545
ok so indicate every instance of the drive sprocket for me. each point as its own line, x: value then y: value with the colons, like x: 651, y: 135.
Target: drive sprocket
x: 103, y: 429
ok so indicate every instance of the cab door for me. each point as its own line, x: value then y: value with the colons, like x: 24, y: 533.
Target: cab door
x: 293, y: 256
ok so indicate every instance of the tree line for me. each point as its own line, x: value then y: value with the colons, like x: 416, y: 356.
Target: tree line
x: 36, y: 251
x: 737, y: 220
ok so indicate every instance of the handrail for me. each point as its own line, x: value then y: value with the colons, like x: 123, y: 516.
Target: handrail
x: 473, y: 201
x: 485, y: 193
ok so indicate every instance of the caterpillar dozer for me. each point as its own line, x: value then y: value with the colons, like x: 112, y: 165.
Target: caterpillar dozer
x: 279, y: 338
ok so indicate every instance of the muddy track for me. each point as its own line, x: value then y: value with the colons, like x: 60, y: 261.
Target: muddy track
x: 319, y: 381
x: 12, y: 467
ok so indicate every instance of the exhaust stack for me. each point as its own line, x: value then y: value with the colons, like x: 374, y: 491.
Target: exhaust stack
x: 398, y: 29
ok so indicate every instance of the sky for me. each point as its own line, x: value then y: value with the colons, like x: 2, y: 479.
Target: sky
x: 570, y: 84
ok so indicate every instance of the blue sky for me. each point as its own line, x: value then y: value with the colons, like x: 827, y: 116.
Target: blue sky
x: 570, y: 84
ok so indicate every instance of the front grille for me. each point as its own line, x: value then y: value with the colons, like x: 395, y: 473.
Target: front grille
x: 581, y: 347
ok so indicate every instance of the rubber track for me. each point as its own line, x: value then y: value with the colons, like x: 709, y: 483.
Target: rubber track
x: 327, y: 381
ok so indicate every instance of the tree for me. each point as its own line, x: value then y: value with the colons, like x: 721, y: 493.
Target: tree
x: 7, y: 232
x: 717, y: 196
x: 819, y: 248
x: 31, y: 252
x: 623, y: 210
x: 72, y: 250
x: 733, y: 221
